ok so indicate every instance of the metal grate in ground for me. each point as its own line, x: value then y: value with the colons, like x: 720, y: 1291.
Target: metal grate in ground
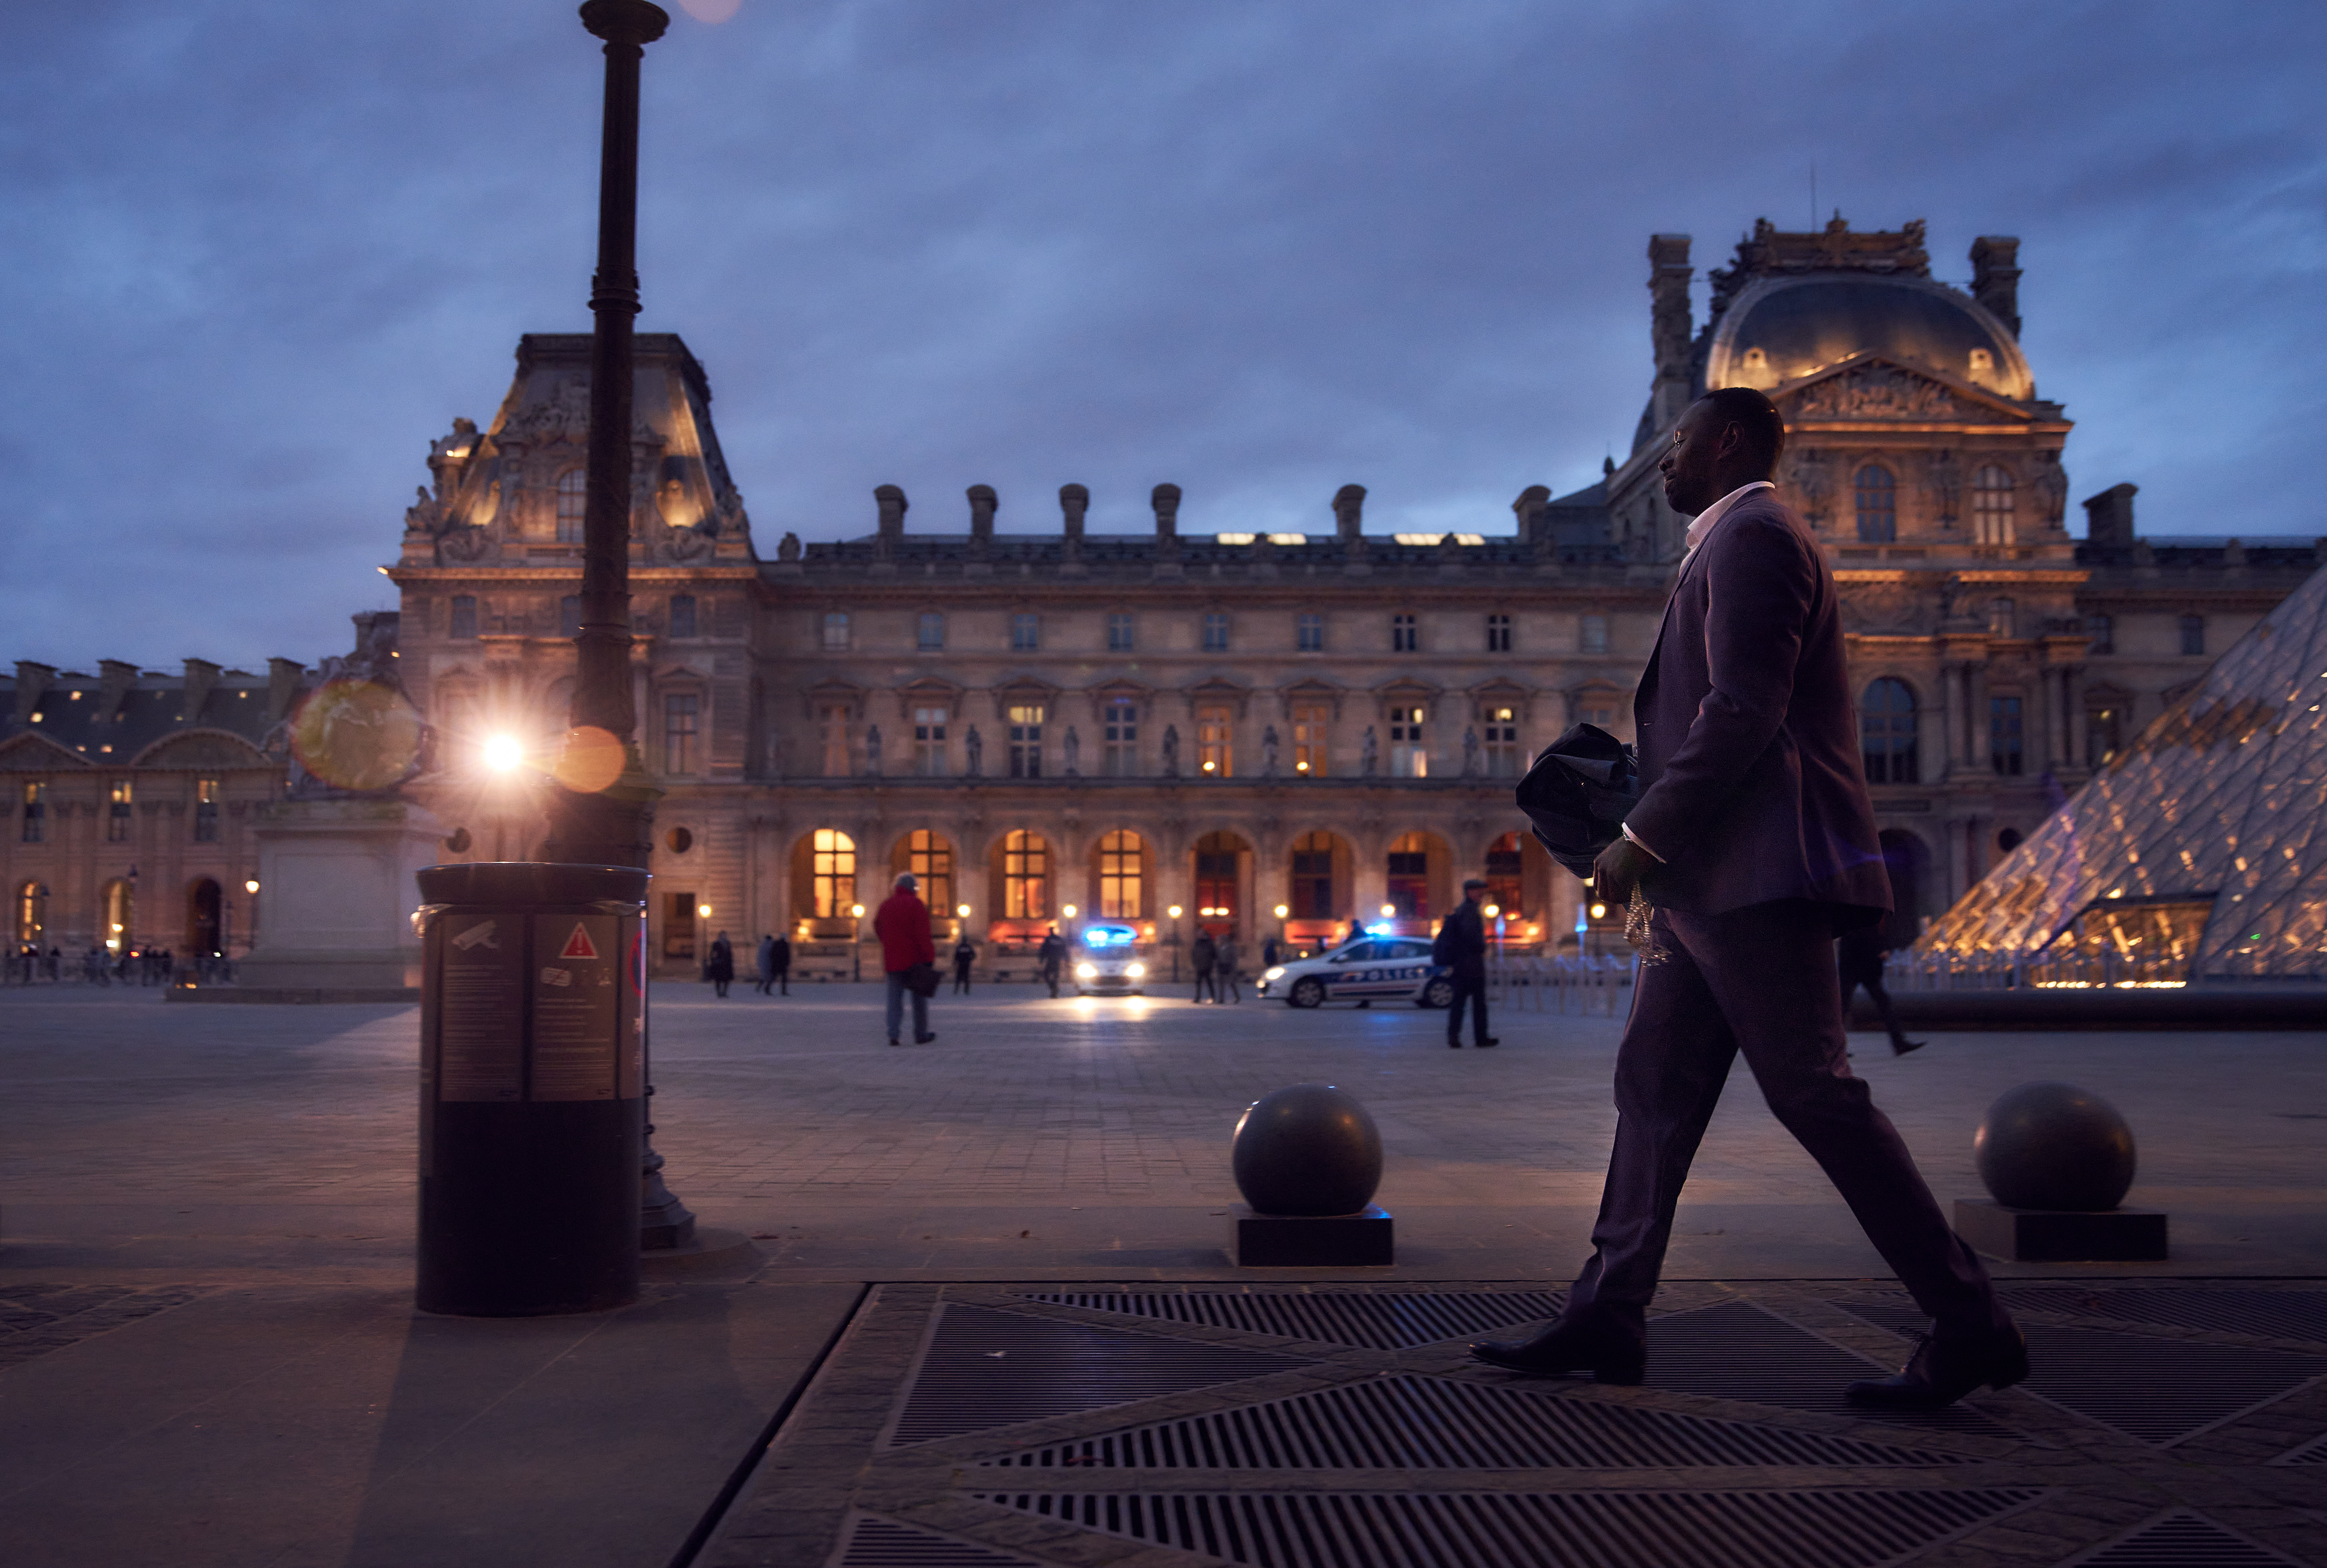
x: 37, y: 1318
x: 2269, y: 1314
x: 2182, y: 1539
x: 884, y: 1544
x: 1736, y: 1350
x: 983, y: 1368
x: 1412, y: 1422
x: 1384, y: 1320
x: 2312, y: 1453
x: 1798, y: 1529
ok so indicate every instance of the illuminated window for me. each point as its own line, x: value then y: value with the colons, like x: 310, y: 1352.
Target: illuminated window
x: 573, y: 505
x: 1505, y: 887
x: 1119, y: 634
x: 1119, y: 877
x: 1213, y: 760
x: 2104, y: 734
x: 1025, y: 632
x: 832, y: 873
x: 1886, y: 724
x: 678, y: 918
x: 206, y: 810
x: 117, y: 816
x: 120, y: 915
x: 1991, y: 507
x: 2004, y: 744
x: 2102, y: 629
x: 36, y: 813
x: 1500, y: 733
x: 2194, y: 634
x: 1216, y: 632
x: 1026, y: 741
x: 1025, y: 876
x: 930, y: 744
x: 29, y: 925
x: 465, y: 615
x: 682, y: 615
x: 1313, y: 877
x: 930, y: 631
x: 832, y: 732
x: 930, y: 860
x: 569, y: 616
x: 682, y: 715
x: 836, y: 631
x: 1878, y: 505
x: 1119, y: 733
x: 1409, y: 876
x: 1404, y: 634
x: 1313, y: 730
x: 1309, y: 634
x: 1409, y: 748
x: 2002, y: 618
x: 1499, y: 634
x: 1218, y: 861
x: 1591, y: 634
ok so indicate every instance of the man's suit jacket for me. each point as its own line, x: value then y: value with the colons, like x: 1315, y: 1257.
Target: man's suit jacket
x: 1751, y: 785
x: 1463, y: 942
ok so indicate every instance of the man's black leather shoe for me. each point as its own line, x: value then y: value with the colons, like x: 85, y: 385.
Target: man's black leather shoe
x: 1943, y: 1370
x: 1568, y: 1350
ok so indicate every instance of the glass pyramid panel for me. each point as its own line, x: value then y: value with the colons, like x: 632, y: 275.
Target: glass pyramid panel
x: 2200, y: 854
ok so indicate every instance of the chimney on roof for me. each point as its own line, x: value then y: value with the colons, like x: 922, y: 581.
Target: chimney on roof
x: 201, y: 679
x: 1528, y: 509
x: 982, y: 504
x: 1671, y: 326
x: 1074, y: 500
x: 114, y: 679
x: 1165, y: 500
x: 1349, y: 511
x: 1996, y: 277
x: 892, y: 503
x: 32, y: 684
x: 286, y: 679
x: 2109, y: 516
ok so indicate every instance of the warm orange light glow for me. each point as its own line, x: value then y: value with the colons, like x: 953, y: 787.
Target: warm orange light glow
x: 251, y: 886
x: 1173, y: 911
x: 1388, y: 911
x: 503, y: 753
x: 590, y: 761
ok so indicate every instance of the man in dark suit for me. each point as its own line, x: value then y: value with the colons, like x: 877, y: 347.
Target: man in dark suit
x: 1461, y: 947
x: 1754, y: 839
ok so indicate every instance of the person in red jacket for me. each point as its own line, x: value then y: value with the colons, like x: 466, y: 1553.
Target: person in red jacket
x: 903, y: 925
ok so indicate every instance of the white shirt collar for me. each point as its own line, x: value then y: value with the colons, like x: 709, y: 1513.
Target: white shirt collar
x: 1702, y: 524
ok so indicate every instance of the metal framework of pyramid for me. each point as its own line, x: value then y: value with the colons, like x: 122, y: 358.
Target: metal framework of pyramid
x: 2199, y: 855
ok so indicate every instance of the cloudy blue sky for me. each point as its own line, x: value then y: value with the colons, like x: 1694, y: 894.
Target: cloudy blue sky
x: 257, y: 254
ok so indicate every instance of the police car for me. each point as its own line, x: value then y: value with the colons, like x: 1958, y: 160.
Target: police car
x: 1398, y: 967
x: 1105, y: 966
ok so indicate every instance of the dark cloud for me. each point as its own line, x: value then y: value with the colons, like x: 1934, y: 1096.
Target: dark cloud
x: 261, y: 253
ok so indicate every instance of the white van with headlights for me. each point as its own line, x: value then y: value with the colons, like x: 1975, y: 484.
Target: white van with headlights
x: 1398, y: 968
x: 1105, y: 961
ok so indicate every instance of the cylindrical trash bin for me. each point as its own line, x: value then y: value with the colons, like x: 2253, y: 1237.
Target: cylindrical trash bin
x: 529, y: 1087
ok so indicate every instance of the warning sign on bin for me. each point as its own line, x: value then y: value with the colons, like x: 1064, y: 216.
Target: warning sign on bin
x: 479, y: 1005
x: 575, y: 1008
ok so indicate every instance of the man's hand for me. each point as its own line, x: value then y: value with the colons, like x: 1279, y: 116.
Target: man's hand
x: 1619, y: 866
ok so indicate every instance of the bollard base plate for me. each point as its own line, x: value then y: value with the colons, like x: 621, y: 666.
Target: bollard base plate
x: 1361, y: 1240
x: 2061, y: 1235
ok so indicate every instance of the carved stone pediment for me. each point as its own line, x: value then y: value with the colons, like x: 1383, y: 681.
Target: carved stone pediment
x: 1888, y: 610
x: 1879, y: 391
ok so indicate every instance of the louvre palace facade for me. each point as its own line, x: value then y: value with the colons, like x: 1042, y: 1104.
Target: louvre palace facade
x: 1230, y: 723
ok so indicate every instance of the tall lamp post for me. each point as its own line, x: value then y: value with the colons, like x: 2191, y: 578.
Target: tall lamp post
x: 602, y: 807
x: 1174, y: 912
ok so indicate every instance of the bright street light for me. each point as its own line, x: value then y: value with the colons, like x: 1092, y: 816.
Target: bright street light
x: 504, y: 754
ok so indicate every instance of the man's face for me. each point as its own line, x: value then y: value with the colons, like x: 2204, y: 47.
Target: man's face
x: 1474, y: 894
x: 1689, y: 462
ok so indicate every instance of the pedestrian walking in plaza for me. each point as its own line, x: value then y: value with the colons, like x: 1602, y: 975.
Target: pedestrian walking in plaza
x: 1461, y: 947
x: 964, y: 955
x: 1859, y: 956
x: 779, y: 965
x: 908, y: 957
x: 1203, y: 956
x: 1753, y: 838
x: 1225, y: 959
x: 1269, y: 953
x: 763, y: 964
x: 721, y: 968
x: 1052, y: 957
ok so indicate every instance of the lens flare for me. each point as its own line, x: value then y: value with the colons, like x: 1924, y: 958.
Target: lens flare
x: 357, y: 735
x: 590, y: 761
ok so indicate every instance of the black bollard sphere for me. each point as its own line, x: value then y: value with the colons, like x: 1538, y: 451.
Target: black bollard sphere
x: 2047, y: 1145
x: 1310, y: 1149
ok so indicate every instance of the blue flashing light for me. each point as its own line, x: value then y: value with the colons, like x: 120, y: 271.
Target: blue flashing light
x: 1381, y: 930
x: 1109, y: 937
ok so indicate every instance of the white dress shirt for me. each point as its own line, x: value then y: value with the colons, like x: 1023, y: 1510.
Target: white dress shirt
x: 1700, y: 528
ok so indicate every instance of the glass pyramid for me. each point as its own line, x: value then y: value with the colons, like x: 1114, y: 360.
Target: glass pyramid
x: 2199, y: 855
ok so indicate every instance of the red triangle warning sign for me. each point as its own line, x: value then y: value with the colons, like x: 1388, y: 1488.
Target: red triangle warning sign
x: 578, y: 945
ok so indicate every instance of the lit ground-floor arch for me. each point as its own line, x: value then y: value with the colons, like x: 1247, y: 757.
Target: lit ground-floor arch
x: 1220, y: 867
x: 1021, y: 878
x: 928, y: 854
x: 1122, y: 873
x: 1421, y: 882
x: 205, y: 909
x: 1320, y: 893
x: 825, y: 889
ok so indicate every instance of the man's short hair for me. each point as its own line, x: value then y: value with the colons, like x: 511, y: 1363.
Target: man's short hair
x: 1475, y: 881
x: 1757, y: 418
x: 908, y: 880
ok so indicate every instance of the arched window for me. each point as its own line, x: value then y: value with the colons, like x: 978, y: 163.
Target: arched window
x: 573, y: 505
x: 1313, y: 877
x: 1886, y: 721
x: 930, y: 858
x: 1025, y: 876
x: 1119, y: 879
x: 1878, y: 505
x: 1506, y: 887
x: 29, y: 912
x: 120, y: 929
x: 1991, y: 507
x: 833, y: 873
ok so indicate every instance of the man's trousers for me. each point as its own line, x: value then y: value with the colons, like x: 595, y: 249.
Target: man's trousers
x: 1760, y: 982
x: 1475, y: 990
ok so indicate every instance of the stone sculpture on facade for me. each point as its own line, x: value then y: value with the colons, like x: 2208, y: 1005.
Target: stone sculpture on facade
x: 1269, y: 752
x: 1370, y: 758
x: 872, y: 750
x: 972, y: 745
x: 1470, y: 752
x: 1074, y: 753
x: 1171, y: 751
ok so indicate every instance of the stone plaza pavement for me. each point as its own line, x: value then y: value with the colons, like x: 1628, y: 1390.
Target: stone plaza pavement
x: 206, y: 1225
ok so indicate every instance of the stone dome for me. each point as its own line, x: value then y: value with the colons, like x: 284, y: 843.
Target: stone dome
x: 1778, y: 330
